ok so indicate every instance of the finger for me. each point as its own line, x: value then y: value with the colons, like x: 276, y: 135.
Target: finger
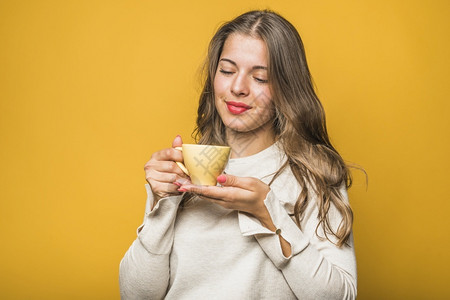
x: 163, y: 188
x: 170, y: 188
x: 169, y: 154
x: 166, y: 167
x: 177, y: 142
x: 183, y: 181
x: 162, y: 176
x: 215, y: 192
x: 246, y: 183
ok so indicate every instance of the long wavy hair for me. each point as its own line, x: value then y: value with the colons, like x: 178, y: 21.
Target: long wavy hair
x: 299, y: 119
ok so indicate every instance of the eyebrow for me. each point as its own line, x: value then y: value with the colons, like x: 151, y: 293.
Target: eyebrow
x: 253, y: 68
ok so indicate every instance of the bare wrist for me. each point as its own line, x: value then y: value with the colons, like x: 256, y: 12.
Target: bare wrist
x: 266, y: 220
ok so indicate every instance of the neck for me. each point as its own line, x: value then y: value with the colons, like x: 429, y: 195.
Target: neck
x: 248, y: 143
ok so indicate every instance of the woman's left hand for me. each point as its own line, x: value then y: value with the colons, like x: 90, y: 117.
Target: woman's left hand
x: 245, y: 194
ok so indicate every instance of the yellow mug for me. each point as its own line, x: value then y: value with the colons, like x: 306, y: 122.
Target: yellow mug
x: 203, y: 163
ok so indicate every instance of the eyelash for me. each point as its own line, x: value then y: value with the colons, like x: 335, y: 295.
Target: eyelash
x: 261, y: 80
x: 225, y: 72
x: 230, y: 73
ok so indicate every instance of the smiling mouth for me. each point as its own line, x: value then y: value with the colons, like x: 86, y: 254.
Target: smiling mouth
x: 237, y: 108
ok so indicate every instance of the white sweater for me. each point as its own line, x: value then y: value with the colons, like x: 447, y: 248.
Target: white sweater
x: 205, y: 251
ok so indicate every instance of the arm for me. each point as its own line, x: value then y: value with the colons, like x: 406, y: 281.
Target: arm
x: 144, y: 270
x: 316, y: 269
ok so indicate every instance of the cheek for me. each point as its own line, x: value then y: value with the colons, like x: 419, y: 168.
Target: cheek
x: 219, y: 85
x: 268, y: 113
x: 215, y: 83
x: 264, y: 99
x: 266, y: 107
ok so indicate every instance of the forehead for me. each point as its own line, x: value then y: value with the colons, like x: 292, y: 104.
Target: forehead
x: 245, y: 50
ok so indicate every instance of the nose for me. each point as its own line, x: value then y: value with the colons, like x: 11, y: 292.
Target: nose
x: 239, y: 87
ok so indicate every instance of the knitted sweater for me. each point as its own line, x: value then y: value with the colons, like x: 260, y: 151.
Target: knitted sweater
x: 204, y: 251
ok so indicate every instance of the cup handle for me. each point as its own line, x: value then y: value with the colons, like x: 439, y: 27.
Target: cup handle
x: 182, y: 167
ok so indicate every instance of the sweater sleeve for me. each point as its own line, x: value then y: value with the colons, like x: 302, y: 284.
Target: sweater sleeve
x: 144, y: 270
x: 316, y: 269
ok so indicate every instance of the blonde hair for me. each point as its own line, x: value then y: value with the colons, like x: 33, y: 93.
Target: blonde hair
x: 299, y: 122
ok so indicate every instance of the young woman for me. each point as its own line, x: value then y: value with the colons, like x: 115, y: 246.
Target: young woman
x: 279, y: 224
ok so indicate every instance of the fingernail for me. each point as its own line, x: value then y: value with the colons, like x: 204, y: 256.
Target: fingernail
x: 182, y: 190
x: 177, y: 183
x: 221, y: 178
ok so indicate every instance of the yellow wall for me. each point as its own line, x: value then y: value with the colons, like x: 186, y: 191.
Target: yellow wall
x: 89, y: 89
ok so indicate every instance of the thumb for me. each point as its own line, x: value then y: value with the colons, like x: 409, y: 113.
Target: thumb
x: 177, y: 142
x: 231, y: 180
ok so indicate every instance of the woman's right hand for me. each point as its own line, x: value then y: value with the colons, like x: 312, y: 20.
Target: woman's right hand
x: 162, y: 173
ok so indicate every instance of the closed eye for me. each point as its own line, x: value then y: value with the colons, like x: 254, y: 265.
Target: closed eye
x: 259, y: 80
x: 225, y: 72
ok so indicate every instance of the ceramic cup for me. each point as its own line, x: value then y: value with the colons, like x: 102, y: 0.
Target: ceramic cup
x: 203, y: 163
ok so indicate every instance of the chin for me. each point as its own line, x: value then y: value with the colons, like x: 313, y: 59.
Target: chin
x: 239, y: 125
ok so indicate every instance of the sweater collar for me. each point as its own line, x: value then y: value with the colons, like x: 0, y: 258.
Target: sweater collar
x: 260, y: 164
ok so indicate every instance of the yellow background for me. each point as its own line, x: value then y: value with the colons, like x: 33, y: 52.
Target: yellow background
x: 90, y: 89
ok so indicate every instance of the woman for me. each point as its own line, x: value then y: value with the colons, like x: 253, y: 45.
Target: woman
x: 279, y: 226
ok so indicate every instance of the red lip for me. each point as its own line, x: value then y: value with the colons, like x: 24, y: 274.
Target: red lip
x: 237, y: 108
x: 238, y: 104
